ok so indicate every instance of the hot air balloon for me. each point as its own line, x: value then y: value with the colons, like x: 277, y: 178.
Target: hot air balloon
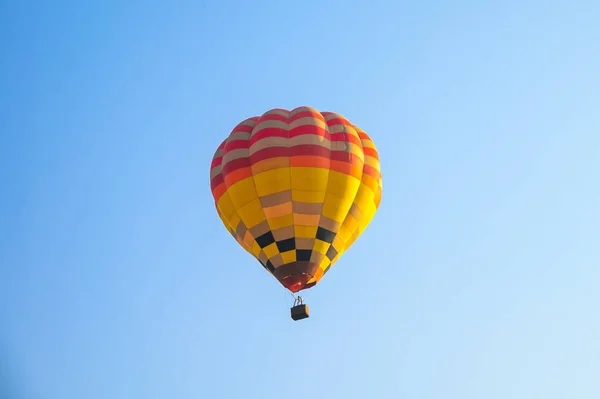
x: 296, y: 189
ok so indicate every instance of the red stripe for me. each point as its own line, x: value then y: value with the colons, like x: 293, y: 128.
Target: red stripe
x: 364, y: 136
x: 341, y: 156
x: 266, y: 153
x: 307, y: 114
x: 371, y: 152
x: 371, y: 171
x: 302, y: 150
x: 237, y: 144
x: 218, y: 179
x: 242, y: 128
x: 310, y: 161
x: 346, y: 157
x: 236, y: 164
x: 310, y: 149
x: 309, y: 129
x: 342, y: 136
x: 222, y: 145
x: 337, y: 121
x: 268, y: 132
x: 273, y: 117
x: 216, y: 162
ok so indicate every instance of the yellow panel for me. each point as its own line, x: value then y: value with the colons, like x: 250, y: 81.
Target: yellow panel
x: 342, y: 185
x: 324, y: 263
x: 368, y: 143
x: 364, y: 196
x: 308, y: 196
x: 350, y: 223
x: 335, y: 207
x: 306, y: 220
x: 278, y: 210
x: 370, y: 182
x: 289, y: 256
x: 367, y: 217
x: 369, y: 210
x: 309, y: 178
x: 345, y: 233
x: 305, y: 231
x: 355, y: 235
x: 271, y: 250
x: 255, y: 248
x: 352, y: 239
x: 242, y: 192
x: 234, y: 220
x: 321, y: 246
x: 338, y: 243
x: 226, y: 206
x: 372, y: 161
x: 272, y: 181
x: 248, y: 239
x: 356, y: 150
x: 252, y: 213
x: 280, y: 222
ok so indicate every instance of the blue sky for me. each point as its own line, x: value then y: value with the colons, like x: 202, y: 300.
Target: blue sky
x: 478, y: 277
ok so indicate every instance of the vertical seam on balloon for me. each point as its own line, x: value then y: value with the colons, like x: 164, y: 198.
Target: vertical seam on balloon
x: 328, y: 180
x: 289, y: 153
x: 226, y: 185
x: 221, y: 173
x: 346, y: 245
x: 223, y: 220
x: 256, y: 187
x: 354, y: 197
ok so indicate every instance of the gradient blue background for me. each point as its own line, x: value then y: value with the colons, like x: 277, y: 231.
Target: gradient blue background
x: 478, y: 278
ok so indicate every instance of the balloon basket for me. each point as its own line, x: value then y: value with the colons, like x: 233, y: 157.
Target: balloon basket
x: 299, y: 312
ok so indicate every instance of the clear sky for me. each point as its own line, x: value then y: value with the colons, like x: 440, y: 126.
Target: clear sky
x: 478, y: 278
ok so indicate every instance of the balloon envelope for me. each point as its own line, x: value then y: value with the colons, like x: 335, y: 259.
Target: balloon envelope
x: 296, y: 189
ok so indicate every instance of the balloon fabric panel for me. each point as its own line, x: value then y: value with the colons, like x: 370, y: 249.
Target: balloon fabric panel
x: 296, y: 189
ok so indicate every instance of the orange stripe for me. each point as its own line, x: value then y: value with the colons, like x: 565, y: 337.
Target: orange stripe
x: 370, y: 182
x: 347, y: 168
x: 301, y: 219
x: 278, y: 210
x: 310, y: 161
x: 363, y: 135
x: 378, y: 197
x: 270, y: 163
x: 218, y: 191
x: 318, y: 273
x: 371, y: 171
x: 237, y: 175
x: 371, y: 152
